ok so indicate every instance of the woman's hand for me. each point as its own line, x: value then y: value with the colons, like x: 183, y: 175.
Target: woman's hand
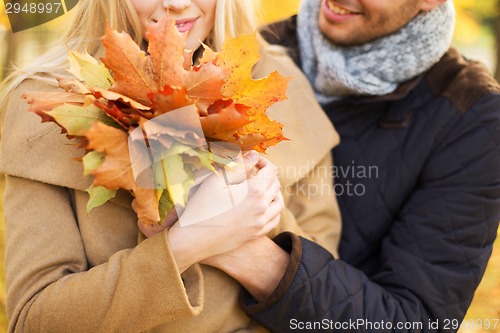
x: 255, y: 216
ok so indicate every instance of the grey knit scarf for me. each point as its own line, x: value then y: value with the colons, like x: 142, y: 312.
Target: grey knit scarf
x: 375, y: 68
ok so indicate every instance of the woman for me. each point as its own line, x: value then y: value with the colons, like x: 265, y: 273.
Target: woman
x: 69, y: 271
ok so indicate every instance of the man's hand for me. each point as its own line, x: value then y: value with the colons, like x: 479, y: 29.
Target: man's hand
x: 258, y: 266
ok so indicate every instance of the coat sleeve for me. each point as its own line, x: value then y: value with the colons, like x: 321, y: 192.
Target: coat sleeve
x: 50, y: 287
x: 312, y: 210
x: 431, y: 259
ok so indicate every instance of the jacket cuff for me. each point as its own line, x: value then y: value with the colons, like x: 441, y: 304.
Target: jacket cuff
x: 292, y: 244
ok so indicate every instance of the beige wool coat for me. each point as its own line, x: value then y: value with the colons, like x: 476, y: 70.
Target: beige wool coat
x: 69, y: 271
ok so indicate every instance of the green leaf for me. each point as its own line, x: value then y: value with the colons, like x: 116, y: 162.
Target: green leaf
x: 92, y: 161
x: 222, y: 161
x: 98, y: 196
x: 205, y: 158
x: 88, y: 69
x: 164, y: 205
x: 159, y: 177
x: 170, y: 173
x: 76, y: 119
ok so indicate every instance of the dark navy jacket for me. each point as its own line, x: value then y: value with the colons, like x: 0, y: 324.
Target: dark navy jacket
x: 423, y: 166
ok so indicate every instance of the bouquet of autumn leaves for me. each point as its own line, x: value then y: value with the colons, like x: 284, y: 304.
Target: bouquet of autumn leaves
x: 111, y: 109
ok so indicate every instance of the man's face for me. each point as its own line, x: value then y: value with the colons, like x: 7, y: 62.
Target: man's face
x: 354, y: 22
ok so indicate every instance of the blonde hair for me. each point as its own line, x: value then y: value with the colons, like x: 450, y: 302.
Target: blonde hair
x: 232, y: 18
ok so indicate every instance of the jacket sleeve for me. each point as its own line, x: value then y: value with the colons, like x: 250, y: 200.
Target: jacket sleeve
x: 312, y: 210
x: 431, y: 259
x: 50, y: 287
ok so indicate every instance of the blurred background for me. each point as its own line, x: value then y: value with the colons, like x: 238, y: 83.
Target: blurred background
x: 477, y: 35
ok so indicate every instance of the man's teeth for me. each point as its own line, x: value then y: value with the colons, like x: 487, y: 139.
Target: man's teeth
x: 336, y: 9
x: 180, y: 25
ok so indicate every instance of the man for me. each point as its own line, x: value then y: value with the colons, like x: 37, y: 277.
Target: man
x: 418, y: 232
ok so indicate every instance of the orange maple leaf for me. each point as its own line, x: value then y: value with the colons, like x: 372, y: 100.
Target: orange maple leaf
x: 132, y: 69
x: 204, y: 83
x: 223, y: 120
x: 169, y: 99
x: 260, y: 134
x: 116, y: 171
x: 147, y: 205
x: 237, y: 58
x: 46, y: 101
x: 166, y: 49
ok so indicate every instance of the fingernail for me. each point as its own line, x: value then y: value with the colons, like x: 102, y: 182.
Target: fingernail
x: 252, y: 156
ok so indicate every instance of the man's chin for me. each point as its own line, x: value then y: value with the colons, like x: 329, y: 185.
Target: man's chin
x: 349, y: 39
x: 340, y: 36
x: 344, y: 41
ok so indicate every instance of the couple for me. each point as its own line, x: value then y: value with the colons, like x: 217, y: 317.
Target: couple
x: 414, y: 245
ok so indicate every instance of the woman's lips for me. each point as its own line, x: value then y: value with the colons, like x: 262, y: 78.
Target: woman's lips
x: 184, y: 25
x: 335, y: 13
